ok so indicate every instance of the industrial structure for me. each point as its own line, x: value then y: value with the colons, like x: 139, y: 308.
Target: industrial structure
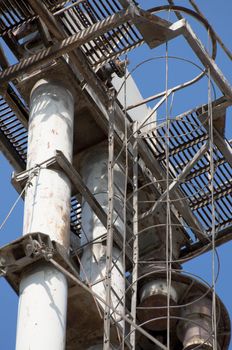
x: 115, y: 198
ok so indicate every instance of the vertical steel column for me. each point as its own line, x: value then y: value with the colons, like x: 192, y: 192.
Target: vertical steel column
x: 110, y: 230
x: 43, y: 289
x: 96, y: 269
x: 136, y: 238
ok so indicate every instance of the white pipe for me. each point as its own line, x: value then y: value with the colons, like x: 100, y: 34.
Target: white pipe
x: 42, y: 310
x: 47, y: 202
x: 43, y: 290
x: 94, y: 170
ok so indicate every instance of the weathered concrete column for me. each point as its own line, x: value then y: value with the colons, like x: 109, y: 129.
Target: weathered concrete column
x: 94, y: 170
x: 43, y: 289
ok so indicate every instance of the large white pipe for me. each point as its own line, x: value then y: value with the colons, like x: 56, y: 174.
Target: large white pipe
x: 94, y: 170
x: 43, y: 289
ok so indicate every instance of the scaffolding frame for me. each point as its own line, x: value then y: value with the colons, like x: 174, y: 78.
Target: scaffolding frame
x: 146, y: 151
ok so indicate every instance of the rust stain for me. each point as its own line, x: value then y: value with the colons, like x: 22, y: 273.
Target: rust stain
x: 64, y: 229
x: 54, y: 132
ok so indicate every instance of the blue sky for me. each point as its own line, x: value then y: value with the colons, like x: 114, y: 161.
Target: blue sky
x: 219, y: 14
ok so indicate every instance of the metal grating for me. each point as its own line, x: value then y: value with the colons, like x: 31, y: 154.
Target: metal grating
x: 109, y: 45
x: 75, y: 216
x: 186, y: 137
x: 17, y: 17
x: 12, y: 128
x: 14, y: 14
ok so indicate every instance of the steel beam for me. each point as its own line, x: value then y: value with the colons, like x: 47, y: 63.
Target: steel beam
x: 221, y: 143
x: 110, y: 230
x: 207, y: 61
x: 18, y: 109
x: 219, y: 40
x: 223, y: 236
x: 134, y: 289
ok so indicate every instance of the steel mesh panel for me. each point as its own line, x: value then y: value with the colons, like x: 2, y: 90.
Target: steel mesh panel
x: 14, y: 14
x: 186, y: 137
x: 107, y: 46
x: 13, y: 129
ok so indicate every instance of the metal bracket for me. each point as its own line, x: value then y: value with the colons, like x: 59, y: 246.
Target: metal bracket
x: 21, y: 254
x: 60, y: 162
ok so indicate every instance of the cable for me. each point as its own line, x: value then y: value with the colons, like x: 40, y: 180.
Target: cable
x: 33, y: 172
x: 211, y: 146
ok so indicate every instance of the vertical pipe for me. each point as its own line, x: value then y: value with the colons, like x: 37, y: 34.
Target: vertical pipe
x: 93, y: 167
x: 43, y: 289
